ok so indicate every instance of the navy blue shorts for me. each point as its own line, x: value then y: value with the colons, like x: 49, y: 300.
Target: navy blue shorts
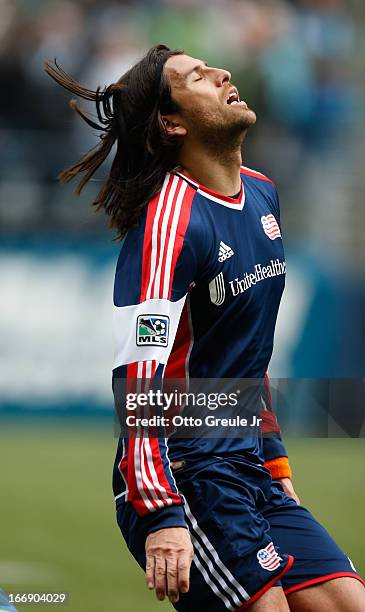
x: 247, y: 535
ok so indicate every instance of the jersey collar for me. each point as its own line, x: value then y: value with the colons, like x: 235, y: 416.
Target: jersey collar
x: 235, y: 203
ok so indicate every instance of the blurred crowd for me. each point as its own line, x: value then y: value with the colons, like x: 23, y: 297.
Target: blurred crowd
x: 299, y: 64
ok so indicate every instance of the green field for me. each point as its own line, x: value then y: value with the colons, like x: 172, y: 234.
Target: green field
x: 58, y: 528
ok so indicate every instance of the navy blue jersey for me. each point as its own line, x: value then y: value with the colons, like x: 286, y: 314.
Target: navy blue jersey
x: 197, y: 291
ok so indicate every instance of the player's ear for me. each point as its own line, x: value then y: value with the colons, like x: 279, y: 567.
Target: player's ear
x: 172, y: 126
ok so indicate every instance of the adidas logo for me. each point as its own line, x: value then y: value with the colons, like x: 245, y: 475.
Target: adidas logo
x: 225, y: 252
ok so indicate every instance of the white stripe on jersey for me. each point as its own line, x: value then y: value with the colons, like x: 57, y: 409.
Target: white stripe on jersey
x: 234, y: 205
x: 255, y: 171
x: 120, y: 495
x: 163, y: 235
x: 151, y: 465
x: 156, y: 489
x: 139, y: 464
x: 155, y: 234
x: 170, y: 248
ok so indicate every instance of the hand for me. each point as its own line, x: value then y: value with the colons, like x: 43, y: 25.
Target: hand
x: 287, y: 485
x: 169, y: 553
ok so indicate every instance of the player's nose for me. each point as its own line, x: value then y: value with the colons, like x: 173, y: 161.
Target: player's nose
x: 222, y: 77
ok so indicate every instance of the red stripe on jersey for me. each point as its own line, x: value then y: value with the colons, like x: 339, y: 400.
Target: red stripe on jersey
x: 148, y: 486
x: 148, y: 476
x: 142, y: 502
x: 154, y: 365
x: 178, y: 235
x: 148, y: 234
x: 161, y: 495
x: 220, y: 196
x: 138, y: 490
x: 159, y: 259
x: 215, y: 194
x: 155, y: 291
x: 162, y: 253
x: 133, y: 494
x: 176, y: 365
x: 144, y: 495
x: 157, y: 460
x: 182, y: 226
x: 269, y: 422
x: 253, y: 173
x: 131, y: 377
x: 125, y: 465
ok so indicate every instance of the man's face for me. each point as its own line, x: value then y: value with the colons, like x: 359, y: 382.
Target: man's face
x: 210, y: 106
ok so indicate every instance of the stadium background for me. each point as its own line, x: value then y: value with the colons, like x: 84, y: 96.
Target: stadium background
x: 301, y: 66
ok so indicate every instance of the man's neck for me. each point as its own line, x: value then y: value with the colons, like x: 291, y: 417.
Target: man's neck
x: 219, y: 175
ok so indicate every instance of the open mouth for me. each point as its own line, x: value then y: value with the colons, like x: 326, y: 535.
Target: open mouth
x: 234, y: 99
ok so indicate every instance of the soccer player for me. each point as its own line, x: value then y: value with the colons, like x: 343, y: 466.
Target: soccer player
x: 214, y: 522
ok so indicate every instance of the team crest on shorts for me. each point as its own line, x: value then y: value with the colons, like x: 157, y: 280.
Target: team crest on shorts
x: 269, y: 558
x: 271, y: 228
x: 152, y: 330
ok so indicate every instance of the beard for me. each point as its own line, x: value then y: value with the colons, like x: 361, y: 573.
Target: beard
x: 220, y: 132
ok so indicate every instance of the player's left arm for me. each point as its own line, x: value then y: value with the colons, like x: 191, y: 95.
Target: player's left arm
x: 275, y: 454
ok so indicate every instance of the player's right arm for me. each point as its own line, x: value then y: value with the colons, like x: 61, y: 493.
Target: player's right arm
x: 156, y: 267
x: 169, y: 554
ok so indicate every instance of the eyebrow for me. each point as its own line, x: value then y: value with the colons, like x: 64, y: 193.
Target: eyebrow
x: 195, y: 68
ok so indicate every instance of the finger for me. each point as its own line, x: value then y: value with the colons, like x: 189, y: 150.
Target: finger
x: 160, y: 578
x: 150, y: 572
x: 172, y: 582
x: 184, y: 564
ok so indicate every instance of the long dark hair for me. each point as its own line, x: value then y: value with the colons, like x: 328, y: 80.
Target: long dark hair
x: 129, y: 113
